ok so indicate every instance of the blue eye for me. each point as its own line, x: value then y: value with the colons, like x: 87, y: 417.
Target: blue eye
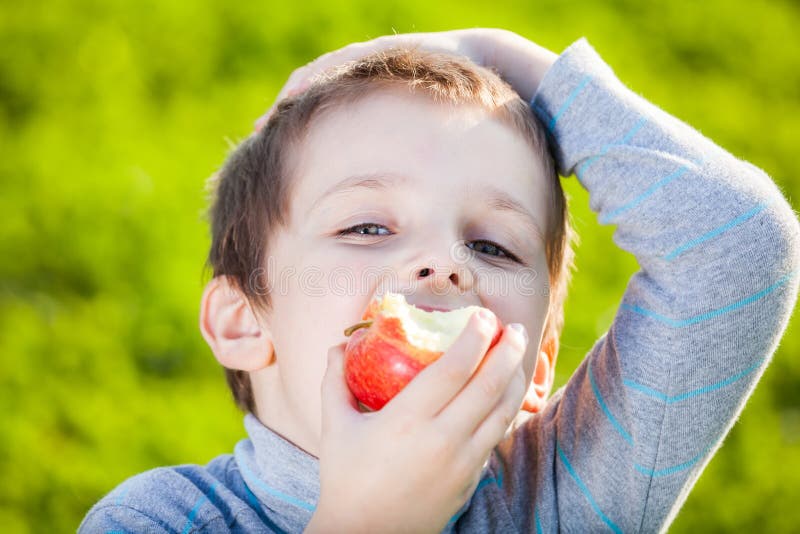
x: 378, y: 230
x: 492, y: 249
x: 366, y: 229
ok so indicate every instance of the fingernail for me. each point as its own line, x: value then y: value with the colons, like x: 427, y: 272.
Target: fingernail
x: 521, y: 329
x: 485, y: 315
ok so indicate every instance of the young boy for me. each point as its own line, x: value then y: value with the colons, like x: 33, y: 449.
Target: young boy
x: 421, y: 173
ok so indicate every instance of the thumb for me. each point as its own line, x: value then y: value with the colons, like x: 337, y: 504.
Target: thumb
x: 337, y: 400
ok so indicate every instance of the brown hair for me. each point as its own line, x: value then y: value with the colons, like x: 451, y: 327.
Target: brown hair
x: 251, y: 193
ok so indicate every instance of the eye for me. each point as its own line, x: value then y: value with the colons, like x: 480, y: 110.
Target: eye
x: 366, y: 229
x: 492, y: 249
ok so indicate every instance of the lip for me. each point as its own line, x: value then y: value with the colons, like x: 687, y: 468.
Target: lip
x: 431, y: 308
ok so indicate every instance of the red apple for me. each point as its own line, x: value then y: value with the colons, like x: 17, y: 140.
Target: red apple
x: 395, y: 341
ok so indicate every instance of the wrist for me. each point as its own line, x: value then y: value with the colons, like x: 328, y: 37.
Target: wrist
x: 519, y: 61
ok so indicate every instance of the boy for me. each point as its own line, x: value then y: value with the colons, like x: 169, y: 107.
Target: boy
x: 420, y: 167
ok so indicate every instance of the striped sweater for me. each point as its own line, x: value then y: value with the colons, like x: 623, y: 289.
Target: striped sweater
x: 619, y: 447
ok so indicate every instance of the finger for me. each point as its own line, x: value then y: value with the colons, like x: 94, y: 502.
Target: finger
x: 299, y: 76
x: 337, y: 400
x: 343, y: 55
x: 494, y: 427
x: 490, y: 384
x: 300, y: 79
x: 440, y: 381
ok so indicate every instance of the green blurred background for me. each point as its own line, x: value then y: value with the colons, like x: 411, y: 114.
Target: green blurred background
x: 112, y: 115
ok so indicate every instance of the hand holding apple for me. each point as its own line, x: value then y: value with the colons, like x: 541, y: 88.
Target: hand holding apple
x: 395, y: 342
x: 433, y: 439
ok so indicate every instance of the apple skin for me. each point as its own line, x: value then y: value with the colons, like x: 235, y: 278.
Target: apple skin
x: 380, y: 362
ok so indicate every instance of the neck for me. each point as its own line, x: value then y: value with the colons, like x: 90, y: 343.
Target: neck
x: 275, y: 410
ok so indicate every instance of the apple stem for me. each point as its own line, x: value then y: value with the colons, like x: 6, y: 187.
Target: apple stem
x: 351, y: 329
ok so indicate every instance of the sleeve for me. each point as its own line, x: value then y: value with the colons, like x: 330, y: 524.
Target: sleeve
x: 621, y: 445
x: 119, y: 519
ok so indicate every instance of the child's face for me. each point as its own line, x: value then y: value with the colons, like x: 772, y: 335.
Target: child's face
x: 439, y: 188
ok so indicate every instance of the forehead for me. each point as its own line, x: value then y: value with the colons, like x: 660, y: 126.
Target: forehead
x: 441, y: 151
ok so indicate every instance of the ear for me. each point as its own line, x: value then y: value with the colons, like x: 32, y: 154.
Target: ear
x: 542, y: 381
x: 232, y: 330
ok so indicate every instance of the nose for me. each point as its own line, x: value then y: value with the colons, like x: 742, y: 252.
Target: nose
x: 443, y: 277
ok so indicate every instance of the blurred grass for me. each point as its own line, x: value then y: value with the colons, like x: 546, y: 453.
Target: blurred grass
x: 113, y: 113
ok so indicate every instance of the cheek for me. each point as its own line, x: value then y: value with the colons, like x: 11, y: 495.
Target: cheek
x: 521, y: 296
x: 311, y: 317
x: 307, y: 325
x: 338, y: 270
x: 519, y: 300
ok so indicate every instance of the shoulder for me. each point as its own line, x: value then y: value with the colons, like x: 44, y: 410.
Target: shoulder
x: 168, y: 499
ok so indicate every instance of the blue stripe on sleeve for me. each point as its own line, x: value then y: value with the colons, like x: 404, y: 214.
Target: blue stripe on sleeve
x: 699, y: 391
x: 487, y: 480
x: 193, y: 514
x: 627, y: 137
x: 650, y: 190
x: 618, y: 427
x: 501, y: 470
x: 123, y: 493
x: 483, y: 482
x: 671, y: 470
x: 715, y: 232
x: 650, y: 392
x: 677, y: 323
x: 568, y: 102
x: 536, y: 520
x: 585, y: 490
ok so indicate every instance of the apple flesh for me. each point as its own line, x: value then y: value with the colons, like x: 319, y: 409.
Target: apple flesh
x: 396, y: 341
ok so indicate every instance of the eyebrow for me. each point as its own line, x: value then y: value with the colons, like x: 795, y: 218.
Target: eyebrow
x: 496, y: 198
x: 378, y: 181
x: 499, y: 200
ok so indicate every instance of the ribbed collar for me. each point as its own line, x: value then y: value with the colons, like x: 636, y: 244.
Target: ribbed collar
x: 283, y: 477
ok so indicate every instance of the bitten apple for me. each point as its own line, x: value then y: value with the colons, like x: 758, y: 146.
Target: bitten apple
x: 395, y: 341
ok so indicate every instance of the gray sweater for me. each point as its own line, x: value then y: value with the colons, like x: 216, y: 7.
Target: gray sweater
x: 621, y: 445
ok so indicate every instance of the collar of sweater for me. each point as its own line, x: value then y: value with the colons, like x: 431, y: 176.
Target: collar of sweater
x: 282, y: 476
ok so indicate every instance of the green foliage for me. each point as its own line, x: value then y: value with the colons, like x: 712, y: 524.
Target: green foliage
x: 112, y: 114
